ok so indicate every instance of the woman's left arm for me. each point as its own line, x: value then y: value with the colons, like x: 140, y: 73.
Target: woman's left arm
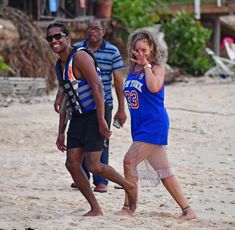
x: 154, y: 77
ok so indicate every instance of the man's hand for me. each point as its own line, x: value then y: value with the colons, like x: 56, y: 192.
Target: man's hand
x: 120, y: 116
x: 60, y: 142
x: 58, y: 100
x: 104, y: 130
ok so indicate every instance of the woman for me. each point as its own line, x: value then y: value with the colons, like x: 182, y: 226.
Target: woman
x: 144, y: 92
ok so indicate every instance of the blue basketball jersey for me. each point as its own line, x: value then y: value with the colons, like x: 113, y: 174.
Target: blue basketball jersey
x: 149, y: 118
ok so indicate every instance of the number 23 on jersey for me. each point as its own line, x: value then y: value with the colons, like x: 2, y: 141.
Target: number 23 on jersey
x: 132, y: 99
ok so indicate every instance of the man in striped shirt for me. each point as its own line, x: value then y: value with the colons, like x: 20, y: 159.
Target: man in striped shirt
x: 111, y: 65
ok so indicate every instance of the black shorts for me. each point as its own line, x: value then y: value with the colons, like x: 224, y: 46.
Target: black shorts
x: 84, y: 132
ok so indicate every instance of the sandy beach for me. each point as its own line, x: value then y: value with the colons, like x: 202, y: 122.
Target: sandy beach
x: 35, y: 188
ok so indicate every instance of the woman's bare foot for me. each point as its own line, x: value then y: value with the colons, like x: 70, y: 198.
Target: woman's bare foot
x: 94, y: 212
x: 132, y: 194
x: 125, y: 211
x: 187, y: 214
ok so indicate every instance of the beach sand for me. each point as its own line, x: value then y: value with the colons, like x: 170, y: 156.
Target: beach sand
x: 35, y: 188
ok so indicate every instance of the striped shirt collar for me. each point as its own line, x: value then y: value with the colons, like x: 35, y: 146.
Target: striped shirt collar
x: 102, y: 46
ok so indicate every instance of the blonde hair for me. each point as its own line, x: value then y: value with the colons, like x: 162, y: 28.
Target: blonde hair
x: 158, y: 55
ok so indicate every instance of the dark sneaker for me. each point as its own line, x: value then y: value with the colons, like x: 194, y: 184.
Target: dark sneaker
x: 100, y: 188
x: 73, y: 185
x: 118, y: 187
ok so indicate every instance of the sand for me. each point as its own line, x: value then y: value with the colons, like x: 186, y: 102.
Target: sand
x: 35, y: 188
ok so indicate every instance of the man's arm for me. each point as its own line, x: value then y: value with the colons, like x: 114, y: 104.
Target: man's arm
x: 59, y: 98
x: 60, y: 142
x: 64, y: 111
x: 118, y: 85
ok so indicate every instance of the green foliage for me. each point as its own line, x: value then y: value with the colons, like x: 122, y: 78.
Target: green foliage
x: 136, y: 13
x: 186, y: 40
x: 4, y: 67
x: 189, y: 1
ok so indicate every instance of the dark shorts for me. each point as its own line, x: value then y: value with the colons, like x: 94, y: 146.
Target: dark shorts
x: 84, y: 132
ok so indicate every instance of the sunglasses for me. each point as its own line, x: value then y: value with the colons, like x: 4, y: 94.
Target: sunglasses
x: 56, y: 36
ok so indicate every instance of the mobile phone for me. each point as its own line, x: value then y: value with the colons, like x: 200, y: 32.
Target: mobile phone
x: 116, y: 124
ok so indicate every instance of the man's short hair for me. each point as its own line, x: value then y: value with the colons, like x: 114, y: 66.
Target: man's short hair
x: 63, y: 28
x: 96, y: 20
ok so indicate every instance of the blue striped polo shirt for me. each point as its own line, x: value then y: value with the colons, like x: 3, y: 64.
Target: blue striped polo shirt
x: 109, y: 60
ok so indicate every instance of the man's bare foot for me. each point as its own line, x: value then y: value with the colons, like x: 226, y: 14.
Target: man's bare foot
x: 132, y: 194
x: 187, y: 214
x: 96, y: 212
x: 125, y: 211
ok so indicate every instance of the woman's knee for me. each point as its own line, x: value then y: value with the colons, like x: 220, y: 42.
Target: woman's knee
x: 127, y: 162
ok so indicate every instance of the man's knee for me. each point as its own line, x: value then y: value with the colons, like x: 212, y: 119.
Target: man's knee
x: 67, y: 165
x: 95, y: 167
x: 72, y: 165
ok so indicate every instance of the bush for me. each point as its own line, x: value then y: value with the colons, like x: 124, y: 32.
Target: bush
x: 135, y: 14
x: 186, y: 40
x: 4, y: 67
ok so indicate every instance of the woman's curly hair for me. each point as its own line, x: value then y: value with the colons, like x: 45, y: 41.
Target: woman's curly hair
x: 158, y: 54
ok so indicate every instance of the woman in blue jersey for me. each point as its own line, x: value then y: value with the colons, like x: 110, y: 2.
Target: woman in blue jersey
x: 144, y: 92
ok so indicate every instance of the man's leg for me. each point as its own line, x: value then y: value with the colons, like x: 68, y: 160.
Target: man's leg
x: 73, y: 164
x: 99, y: 181
x: 84, y: 167
x: 95, y: 166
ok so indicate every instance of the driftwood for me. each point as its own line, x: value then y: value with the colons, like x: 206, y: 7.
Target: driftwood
x: 27, y: 53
